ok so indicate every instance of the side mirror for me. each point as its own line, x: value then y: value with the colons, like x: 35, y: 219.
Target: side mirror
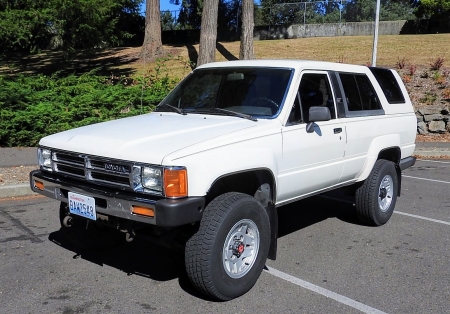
x: 317, y: 114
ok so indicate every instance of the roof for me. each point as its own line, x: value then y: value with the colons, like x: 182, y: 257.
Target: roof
x: 296, y: 64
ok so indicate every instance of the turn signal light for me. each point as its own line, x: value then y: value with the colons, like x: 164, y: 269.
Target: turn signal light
x: 175, y: 182
x: 144, y: 211
x: 39, y: 185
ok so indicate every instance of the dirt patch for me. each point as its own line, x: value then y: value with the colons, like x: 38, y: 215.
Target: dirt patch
x: 15, y: 175
x: 445, y: 138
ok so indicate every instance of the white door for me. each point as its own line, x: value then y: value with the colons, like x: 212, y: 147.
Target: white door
x: 311, y: 161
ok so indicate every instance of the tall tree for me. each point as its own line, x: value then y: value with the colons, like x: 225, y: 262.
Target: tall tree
x: 88, y: 24
x: 433, y: 9
x: 246, y: 50
x: 208, y: 33
x: 168, y: 22
x: 190, y: 14
x: 152, y: 46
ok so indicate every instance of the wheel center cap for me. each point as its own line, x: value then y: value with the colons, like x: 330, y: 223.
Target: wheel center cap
x: 383, y: 193
x: 238, y: 248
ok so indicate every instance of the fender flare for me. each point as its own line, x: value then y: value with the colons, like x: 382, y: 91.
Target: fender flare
x: 377, y: 146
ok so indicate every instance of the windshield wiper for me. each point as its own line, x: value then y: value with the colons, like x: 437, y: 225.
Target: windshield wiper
x: 177, y: 110
x: 234, y: 113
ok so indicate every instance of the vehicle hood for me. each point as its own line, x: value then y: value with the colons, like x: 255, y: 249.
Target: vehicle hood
x: 146, y: 138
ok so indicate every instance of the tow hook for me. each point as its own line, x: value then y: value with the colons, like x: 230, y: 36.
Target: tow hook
x: 67, y: 221
x: 129, y: 236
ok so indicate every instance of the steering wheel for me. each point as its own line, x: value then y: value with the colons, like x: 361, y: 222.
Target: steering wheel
x: 271, y: 104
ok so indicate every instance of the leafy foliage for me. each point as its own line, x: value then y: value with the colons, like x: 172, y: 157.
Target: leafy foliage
x: 32, y: 106
x: 434, y: 9
x: 69, y: 24
x: 281, y: 12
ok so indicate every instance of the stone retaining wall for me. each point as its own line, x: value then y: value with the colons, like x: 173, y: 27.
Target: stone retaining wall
x: 433, y: 119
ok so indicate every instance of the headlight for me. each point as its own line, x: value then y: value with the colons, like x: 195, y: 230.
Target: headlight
x: 152, y: 178
x: 45, y: 159
x: 169, y: 181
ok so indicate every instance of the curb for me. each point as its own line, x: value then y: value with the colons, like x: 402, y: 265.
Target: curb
x: 432, y: 153
x: 15, y: 190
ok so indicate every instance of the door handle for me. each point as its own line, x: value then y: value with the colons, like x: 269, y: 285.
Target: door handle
x: 337, y: 130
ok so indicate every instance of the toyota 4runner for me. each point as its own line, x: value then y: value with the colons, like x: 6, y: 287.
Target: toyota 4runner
x: 231, y: 143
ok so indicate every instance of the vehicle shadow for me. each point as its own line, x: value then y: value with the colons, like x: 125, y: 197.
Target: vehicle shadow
x: 139, y: 257
x: 150, y: 260
x: 307, y: 212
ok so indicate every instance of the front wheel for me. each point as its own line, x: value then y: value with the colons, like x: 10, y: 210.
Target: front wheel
x: 225, y: 258
x: 375, y: 199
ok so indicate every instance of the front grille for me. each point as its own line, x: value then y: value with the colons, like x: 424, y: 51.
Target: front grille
x: 93, y: 168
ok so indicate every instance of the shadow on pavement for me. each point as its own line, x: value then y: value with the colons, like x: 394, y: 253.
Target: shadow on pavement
x: 136, y: 258
x: 307, y: 212
x: 150, y: 260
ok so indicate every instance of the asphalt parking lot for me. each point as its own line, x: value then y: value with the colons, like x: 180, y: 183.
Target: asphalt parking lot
x: 327, y: 262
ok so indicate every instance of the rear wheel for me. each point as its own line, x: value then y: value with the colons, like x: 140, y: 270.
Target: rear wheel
x: 375, y: 199
x: 225, y: 258
x: 87, y: 234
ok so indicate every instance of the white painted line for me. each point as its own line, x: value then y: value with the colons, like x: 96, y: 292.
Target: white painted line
x: 439, y: 181
x: 327, y: 293
x: 424, y: 218
x: 441, y: 162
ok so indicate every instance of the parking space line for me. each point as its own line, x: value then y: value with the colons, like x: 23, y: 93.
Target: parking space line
x: 423, y: 218
x: 439, y: 181
x: 327, y: 293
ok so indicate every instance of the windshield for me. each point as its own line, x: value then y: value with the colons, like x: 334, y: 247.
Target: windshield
x: 246, y: 90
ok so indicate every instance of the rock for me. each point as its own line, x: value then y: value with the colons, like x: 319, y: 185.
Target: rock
x: 419, y: 117
x: 432, y: 117
x: 422, y: 128
x: 430, y: 110
x: 437, y: 127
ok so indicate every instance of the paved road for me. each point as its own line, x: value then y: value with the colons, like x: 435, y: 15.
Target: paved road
x: 327, y: 263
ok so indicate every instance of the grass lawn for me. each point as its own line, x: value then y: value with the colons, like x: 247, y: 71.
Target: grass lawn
x: 419, y: 50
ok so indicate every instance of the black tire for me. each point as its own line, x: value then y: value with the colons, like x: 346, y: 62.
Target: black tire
x: 375, y: 199
x: 87, y: 234
x: 209, y: 260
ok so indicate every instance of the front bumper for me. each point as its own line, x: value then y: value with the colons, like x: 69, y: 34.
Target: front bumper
x: 112, y: 202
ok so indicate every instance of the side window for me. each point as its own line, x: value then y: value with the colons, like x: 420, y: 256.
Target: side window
x: 314, y: 90
x: 359, y: 92
x: 389, y: 85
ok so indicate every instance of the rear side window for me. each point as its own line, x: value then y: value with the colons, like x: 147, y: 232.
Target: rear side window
x: 359, y: 92
x: 389, y: 85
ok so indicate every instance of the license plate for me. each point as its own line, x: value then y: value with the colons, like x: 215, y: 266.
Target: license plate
x: 82, y: 205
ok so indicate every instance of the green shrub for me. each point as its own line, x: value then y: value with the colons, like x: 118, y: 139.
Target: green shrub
x: 33, y: 106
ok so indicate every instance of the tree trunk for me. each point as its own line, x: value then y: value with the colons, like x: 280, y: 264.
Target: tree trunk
x: 246, y: 49
x: 152, y: 46
x: 208, y: 33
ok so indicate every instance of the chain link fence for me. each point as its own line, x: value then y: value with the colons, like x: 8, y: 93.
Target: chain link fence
x: 338, y: 11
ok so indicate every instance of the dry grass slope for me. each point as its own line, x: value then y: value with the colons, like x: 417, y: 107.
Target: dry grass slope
x: 415, y: 49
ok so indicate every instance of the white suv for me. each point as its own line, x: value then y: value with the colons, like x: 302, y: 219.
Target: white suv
x: 231, y: 143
